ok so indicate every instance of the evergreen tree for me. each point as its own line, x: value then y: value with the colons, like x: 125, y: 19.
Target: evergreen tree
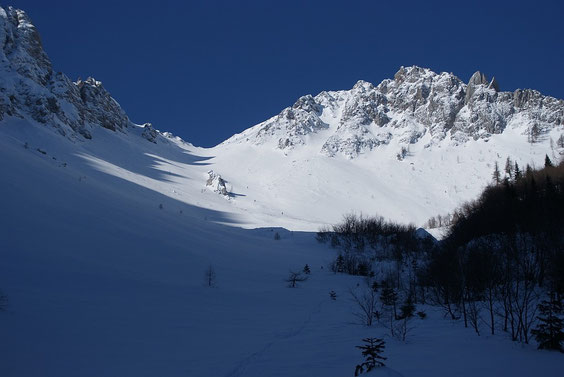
x: 307, y: 270
x: 210, y: 276
x: 407, y: 310
x: 528, y: 171
x: 372, y: 351
x: 517, y: 172
x: 549, y: 333
x: 340, y: 264
x: 496, y: 174
x: 547, y: 162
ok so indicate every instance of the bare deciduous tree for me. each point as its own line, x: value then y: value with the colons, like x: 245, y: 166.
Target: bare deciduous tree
x: 294, y: 278
x: 366, y: 300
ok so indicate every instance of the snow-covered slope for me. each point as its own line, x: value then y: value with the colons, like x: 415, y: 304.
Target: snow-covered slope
x: 106, y: 229
x: 407, y: 149
x: 104, y: 281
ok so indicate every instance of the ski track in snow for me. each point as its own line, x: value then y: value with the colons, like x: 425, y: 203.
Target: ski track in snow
x: 239, y: 370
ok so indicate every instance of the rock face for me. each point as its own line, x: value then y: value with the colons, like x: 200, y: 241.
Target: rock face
x: 149, y: 133
x: 416, y: 103
x: 29, y: 88
x: 217, y: 184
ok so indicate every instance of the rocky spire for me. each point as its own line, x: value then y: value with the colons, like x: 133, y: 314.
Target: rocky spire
x: 478, y: 78
x: 494, y: 85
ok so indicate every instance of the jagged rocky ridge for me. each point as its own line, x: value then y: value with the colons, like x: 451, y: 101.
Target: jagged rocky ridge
x: 415, y: 103
x: 29, y: 88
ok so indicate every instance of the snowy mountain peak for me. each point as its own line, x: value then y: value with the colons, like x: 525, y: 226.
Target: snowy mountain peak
x: 32, y: 91
x: 417, y: 104
x: 21, y: 46
x: 412, y: 74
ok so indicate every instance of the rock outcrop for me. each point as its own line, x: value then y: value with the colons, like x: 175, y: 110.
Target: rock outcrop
x: 29, y: 88
x: 217, y: 184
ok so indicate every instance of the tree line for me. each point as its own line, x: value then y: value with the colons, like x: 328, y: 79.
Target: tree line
x: 499, y: 268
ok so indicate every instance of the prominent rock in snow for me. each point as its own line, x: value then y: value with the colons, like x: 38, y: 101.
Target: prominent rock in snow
x: 417, y: 102
x: 29, y: 88
x: 217, y: 184
x: 150, y: 133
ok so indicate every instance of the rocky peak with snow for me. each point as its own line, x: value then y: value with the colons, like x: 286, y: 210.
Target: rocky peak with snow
x: 416, y: 103
x: 30, y: 89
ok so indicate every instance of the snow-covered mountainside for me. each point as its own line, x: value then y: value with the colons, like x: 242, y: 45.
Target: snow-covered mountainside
x: 407, y: 149
x: 107, y: 229
x: 417, y: 145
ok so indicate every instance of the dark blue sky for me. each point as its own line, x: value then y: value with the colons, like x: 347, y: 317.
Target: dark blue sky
x: 205, y: 70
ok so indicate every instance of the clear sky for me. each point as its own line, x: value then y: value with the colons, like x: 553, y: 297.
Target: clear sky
x: 205, y: 70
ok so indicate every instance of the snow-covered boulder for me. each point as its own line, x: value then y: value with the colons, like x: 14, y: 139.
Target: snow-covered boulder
x: 217, y: 184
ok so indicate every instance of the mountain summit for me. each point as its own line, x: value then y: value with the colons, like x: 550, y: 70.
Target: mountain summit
x: 32, y: 90
x: 416, y: 103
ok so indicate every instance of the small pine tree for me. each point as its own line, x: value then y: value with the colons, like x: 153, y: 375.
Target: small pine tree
x: 276, y: 236
x: 529, y: 171
x: 210, y: 276
x: 517, y: 172
x: 333, y: 295
x: 307, y: 270
x: 496, y: 174
x: 340, y: 264
x: 549, y: 333
x: 372, y: 351
x: 407, y: 310
x: 547, y: 162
